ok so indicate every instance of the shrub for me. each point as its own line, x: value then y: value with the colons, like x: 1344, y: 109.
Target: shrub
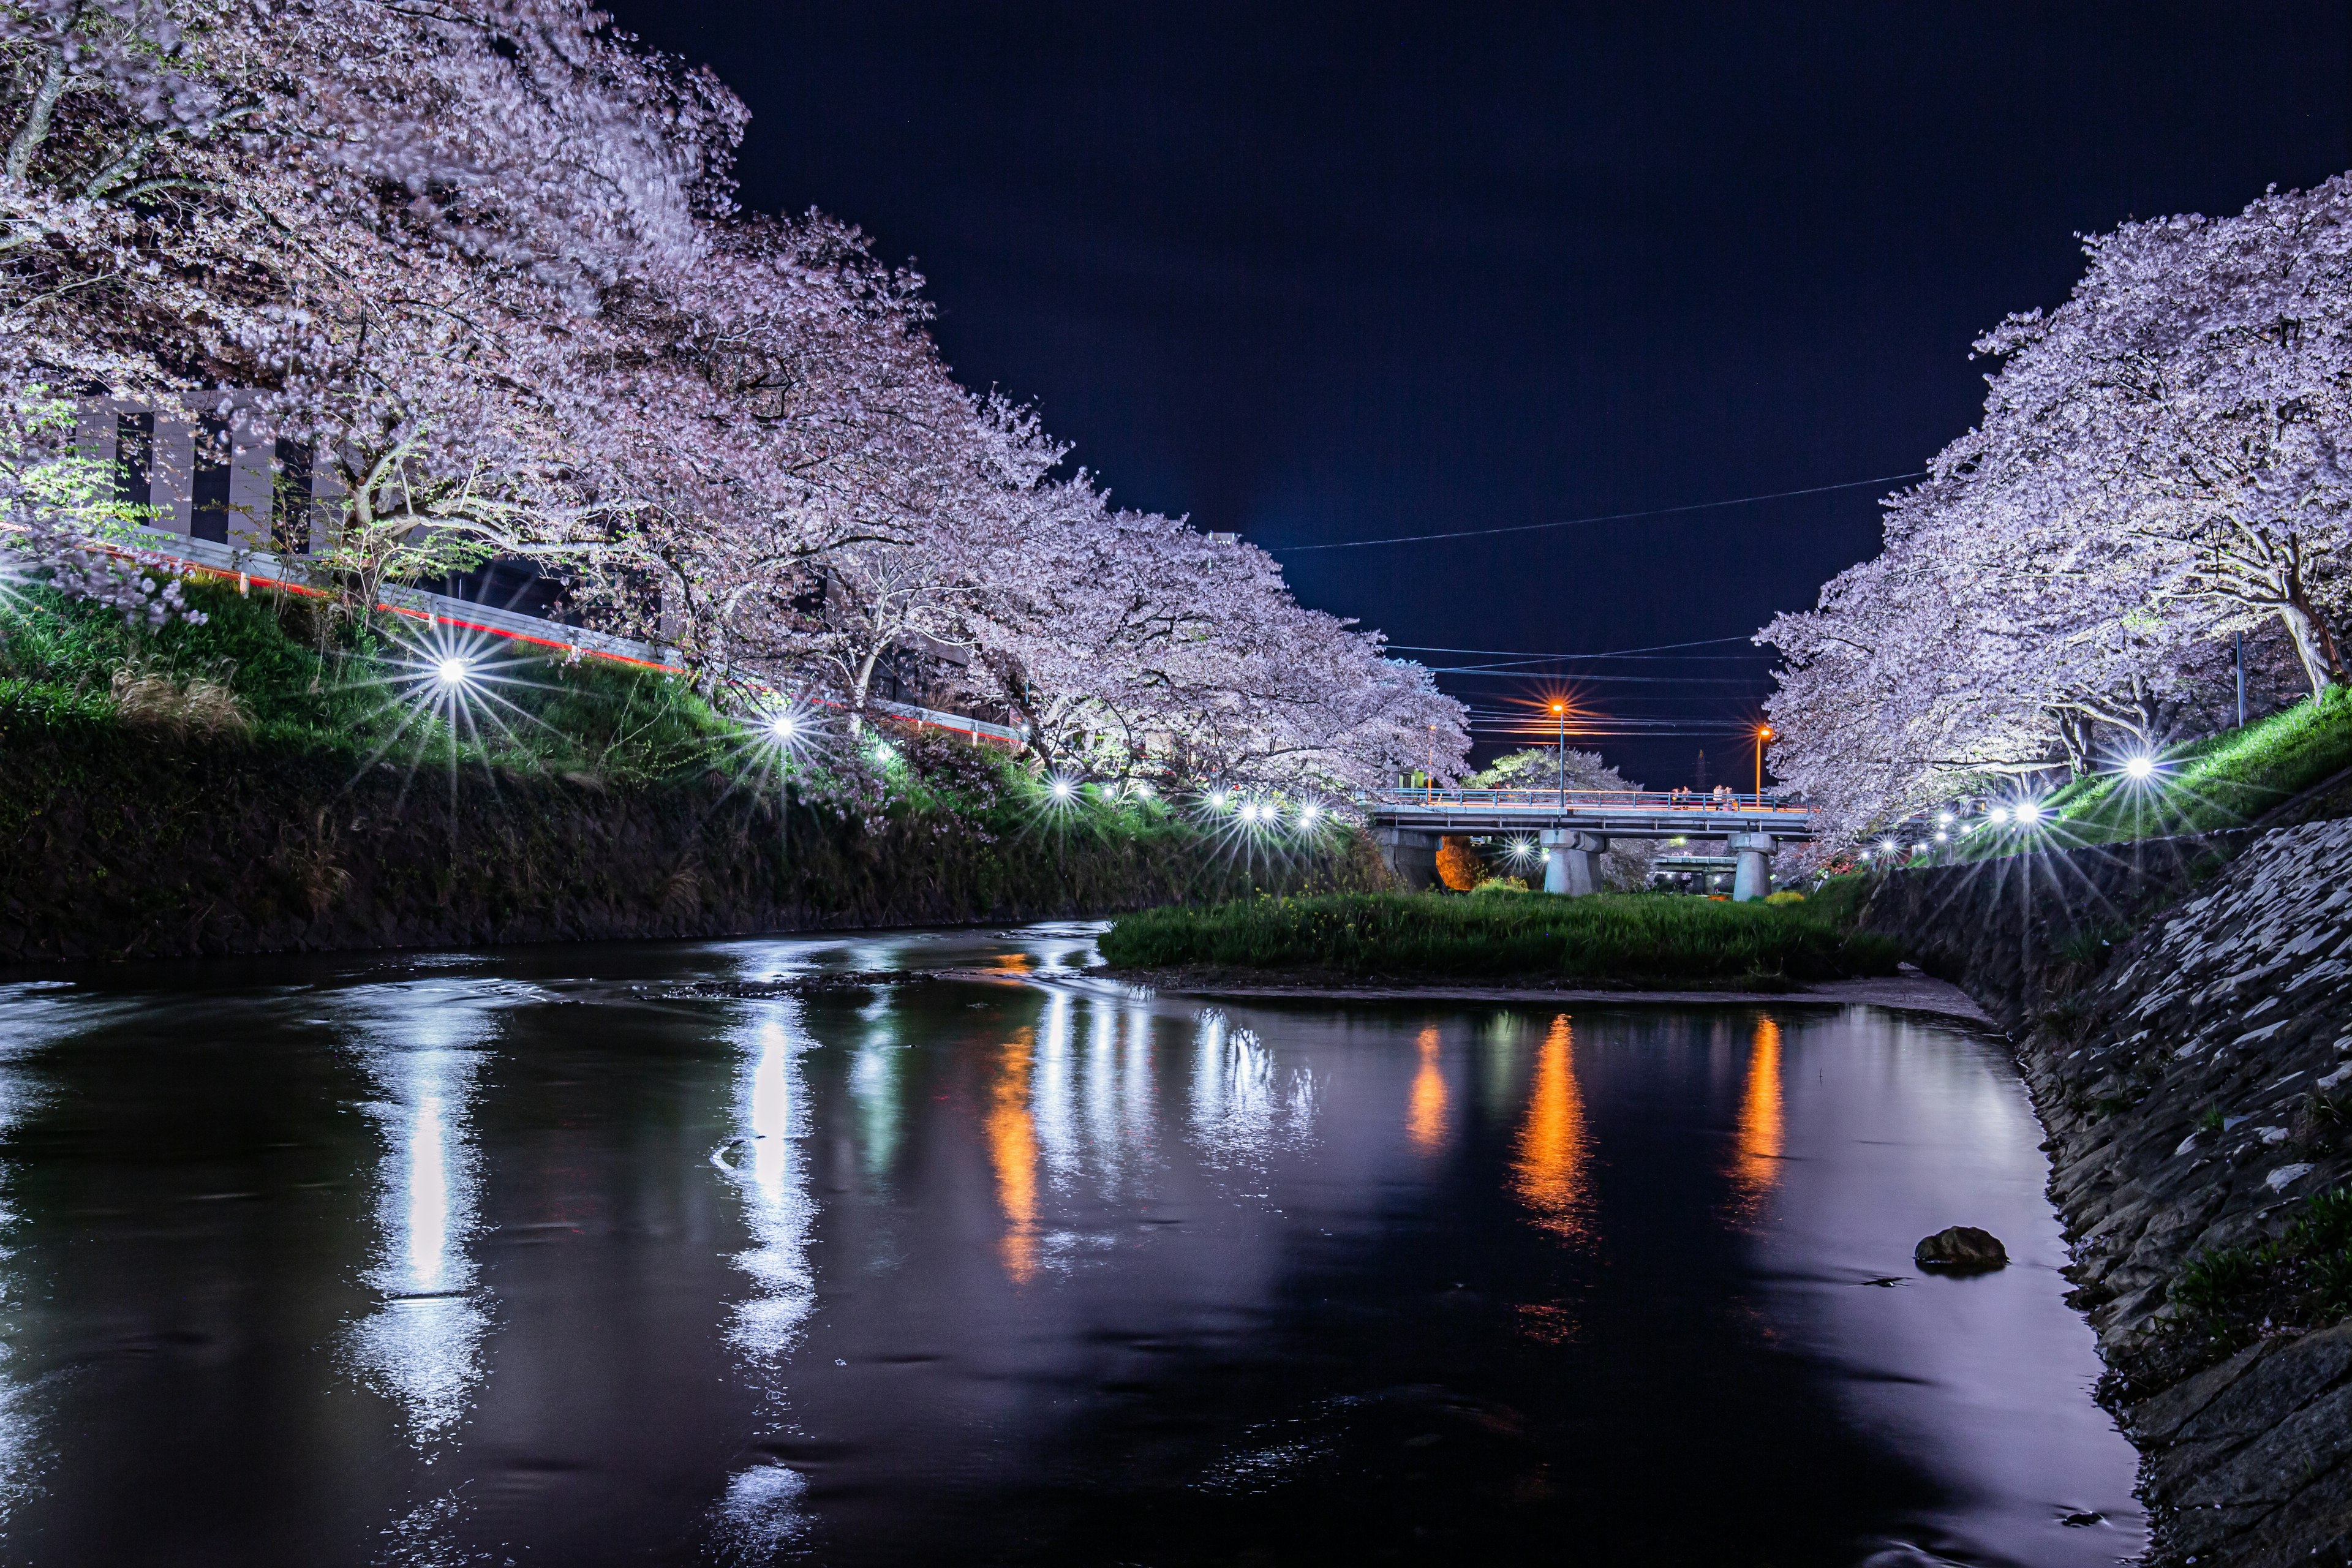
x: 1618, y: 938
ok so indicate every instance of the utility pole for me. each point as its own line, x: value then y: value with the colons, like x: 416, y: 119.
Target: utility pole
x: 1559, y: 711
x: 1763, y: 734
x: 2240, y: 639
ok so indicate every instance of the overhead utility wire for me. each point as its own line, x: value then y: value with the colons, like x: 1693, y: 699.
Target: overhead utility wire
x: 1501, y: 673
x: 1613, y: 653
x: 1579, y: 521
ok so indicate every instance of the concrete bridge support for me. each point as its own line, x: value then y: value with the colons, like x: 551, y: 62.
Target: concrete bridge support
x: 1411, y: 857
x: 1753, y: 878
x: 1570, y: 868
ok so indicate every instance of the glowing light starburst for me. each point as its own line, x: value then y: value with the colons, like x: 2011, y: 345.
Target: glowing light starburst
x: 445, y: 686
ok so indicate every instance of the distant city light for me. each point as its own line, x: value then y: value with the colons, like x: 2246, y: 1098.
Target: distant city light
x: 1999, y: 814
x: 1941, y: 835
x: 1943, y: 819
x: 1888, y: 845
x: 2028, y: 813
x: 1216, y: 800
x: 782, y: 726
x: 454, y: 671
x: 1249, y: 812
x: 1062, y: 789
x: 1307, y: 813
x: 2140, y: 768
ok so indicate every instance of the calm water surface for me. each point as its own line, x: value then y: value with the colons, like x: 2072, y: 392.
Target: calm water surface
x: 648, y: 1255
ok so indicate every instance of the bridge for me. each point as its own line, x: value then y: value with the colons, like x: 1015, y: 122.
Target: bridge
x: 1574, y: 825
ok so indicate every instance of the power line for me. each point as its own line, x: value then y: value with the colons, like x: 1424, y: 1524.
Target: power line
x: 1501, y: 672
x: 1580, y: 521
x: 1613, y: 653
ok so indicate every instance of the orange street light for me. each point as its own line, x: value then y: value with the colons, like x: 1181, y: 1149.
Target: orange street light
x: 1559, y: 711
x: 1763, y: 734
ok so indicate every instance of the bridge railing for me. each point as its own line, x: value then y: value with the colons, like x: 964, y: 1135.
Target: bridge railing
x: 1537, y: 801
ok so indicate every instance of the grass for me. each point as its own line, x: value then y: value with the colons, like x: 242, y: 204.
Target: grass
x: 61, y: 663
x: 1636, y: 940
x: 2223, y: 781
x: 88, y: 703
x: 2224, y: 1297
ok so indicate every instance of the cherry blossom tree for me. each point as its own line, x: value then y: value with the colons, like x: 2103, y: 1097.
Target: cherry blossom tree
x: 2159, y: 468
x: 485, y: 257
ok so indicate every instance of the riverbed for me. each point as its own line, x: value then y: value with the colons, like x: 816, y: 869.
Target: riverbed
x: 779, y: 1251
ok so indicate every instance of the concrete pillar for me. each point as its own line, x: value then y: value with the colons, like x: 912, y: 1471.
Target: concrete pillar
x: 1754, y: 878
x: 1411, y: 858
x: 1569, y: 867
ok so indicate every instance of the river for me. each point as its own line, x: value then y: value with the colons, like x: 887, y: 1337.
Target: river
x: 717, y: 1253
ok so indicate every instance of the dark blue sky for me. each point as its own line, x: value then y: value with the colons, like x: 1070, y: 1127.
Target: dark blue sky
x: 1325, y: 274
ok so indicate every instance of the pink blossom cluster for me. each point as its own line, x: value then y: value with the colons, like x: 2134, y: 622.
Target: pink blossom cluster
x: 487, y: 257
x: 2160, y: 471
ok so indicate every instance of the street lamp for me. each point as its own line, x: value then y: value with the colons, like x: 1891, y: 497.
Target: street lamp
x: 1559, y: 711
x: 1763, y: 734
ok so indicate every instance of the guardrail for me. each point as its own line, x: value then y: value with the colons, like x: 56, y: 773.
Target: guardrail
x: 249, y: 565
x: 1555, y: 801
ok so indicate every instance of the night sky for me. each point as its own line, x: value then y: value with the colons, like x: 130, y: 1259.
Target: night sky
x: 1317, y: 275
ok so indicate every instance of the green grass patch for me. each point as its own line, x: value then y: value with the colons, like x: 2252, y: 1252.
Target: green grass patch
x: 2223, y: 781
x: 301, y: 694
x: 1606, y: 939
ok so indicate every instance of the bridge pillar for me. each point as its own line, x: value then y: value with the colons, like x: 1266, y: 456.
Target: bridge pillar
x: 1411, y: 858
x: 1754, y: 878
x: 1568, y: 868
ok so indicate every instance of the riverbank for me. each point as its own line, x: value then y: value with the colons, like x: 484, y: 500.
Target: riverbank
x: 2186, y: 1029
x: 1628, y: 941
x: 1908, y: 991
x: 131, y: 845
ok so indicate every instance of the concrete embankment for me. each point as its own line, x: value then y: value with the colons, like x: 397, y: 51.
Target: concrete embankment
x: 2184, y: 1019
x: 124, y: 848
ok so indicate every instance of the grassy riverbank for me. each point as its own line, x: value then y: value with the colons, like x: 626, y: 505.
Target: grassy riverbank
x: 2227, y: 780
x: 1630, y: 940
x: 230, y: 788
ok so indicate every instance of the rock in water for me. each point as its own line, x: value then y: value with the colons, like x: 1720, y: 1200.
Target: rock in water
x: 1962, y: 1248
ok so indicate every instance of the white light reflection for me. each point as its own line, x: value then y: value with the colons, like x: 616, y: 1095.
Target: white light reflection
x: 1049, y: 1095
x: 32, y: 1017
x: 420, y: 1346
x: 1241, y: 1113
x: 761, y: 1511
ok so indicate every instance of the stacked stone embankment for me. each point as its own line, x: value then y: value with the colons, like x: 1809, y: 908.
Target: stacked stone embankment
x: 2195, y: 1079
x: 132, y: 850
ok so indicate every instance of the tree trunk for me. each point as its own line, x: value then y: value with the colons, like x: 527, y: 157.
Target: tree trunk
x: 858, y: 689
x: 2314, y: 645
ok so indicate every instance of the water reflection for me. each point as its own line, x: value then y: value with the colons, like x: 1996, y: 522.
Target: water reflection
x: 422, y: 1344
x: 1548, y: 1171
x: 1755, y: 1164
x: 771, y: 1176
x: 1012, y: 1150
x: 764, y: 1161
x: 1240, y: 1113
x: 1425, y: 1116
x: 31, y: 1017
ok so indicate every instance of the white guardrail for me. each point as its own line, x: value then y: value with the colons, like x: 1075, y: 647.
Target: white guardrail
x: 249, y: 565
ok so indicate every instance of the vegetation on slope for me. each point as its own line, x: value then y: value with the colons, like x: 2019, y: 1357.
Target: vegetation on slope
x: 1634, y: 940
x: 2227, y: 780
x: 230, y: 786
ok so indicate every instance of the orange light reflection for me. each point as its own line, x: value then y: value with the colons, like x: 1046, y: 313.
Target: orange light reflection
x: 1425, y: 1120
x: 1554, y: 1146
x: 1757, y: 1168
x: 1013, y: 1150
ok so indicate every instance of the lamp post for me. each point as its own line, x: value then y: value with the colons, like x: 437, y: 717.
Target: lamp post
x: 1559, y: 711
x: 1763, y: 734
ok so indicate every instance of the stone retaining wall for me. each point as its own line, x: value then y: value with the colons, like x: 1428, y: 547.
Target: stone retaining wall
x: 2235, y: 1000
